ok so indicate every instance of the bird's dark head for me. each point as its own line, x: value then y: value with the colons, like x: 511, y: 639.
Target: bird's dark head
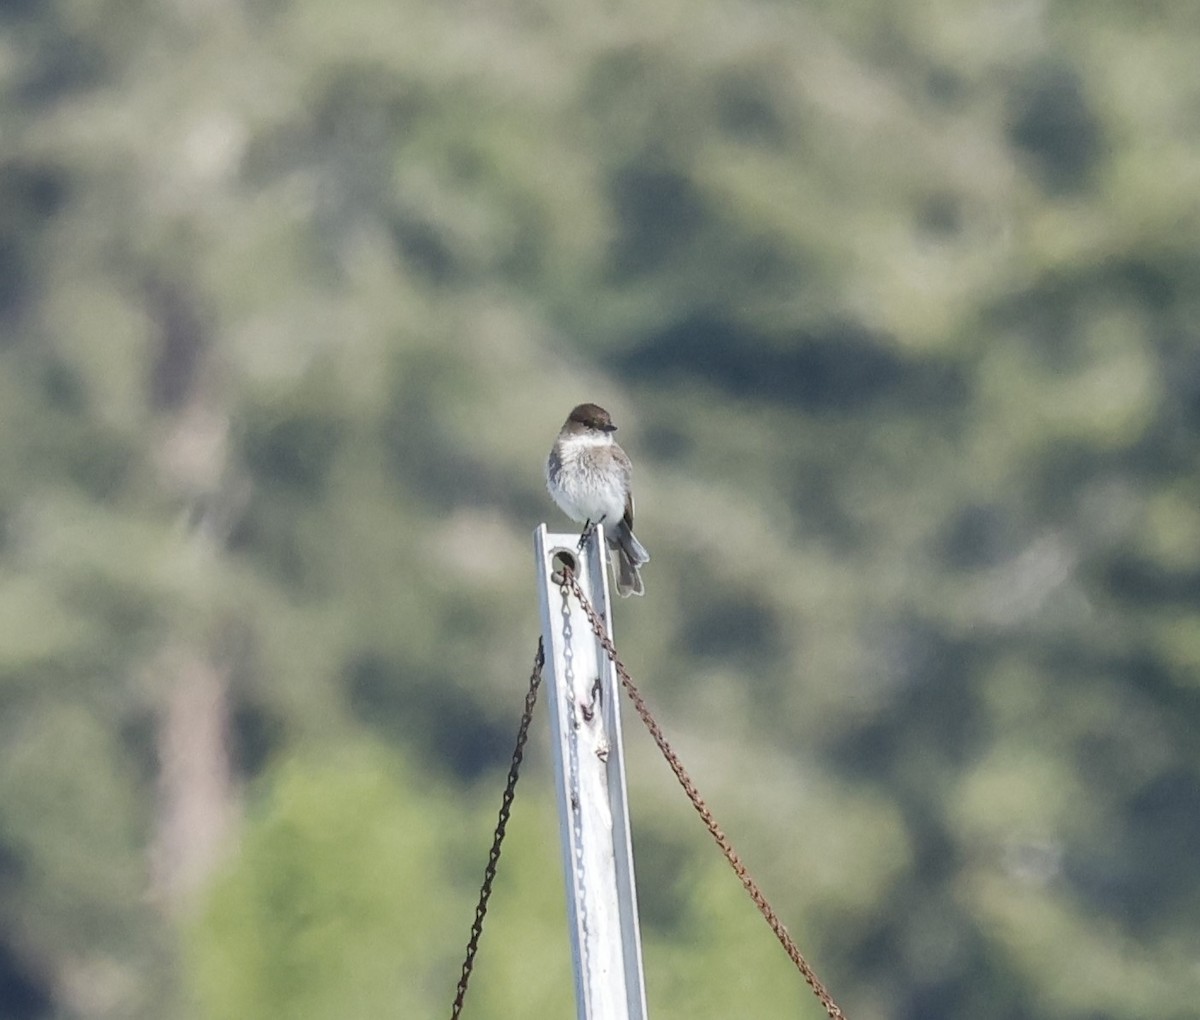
x: 590, y: 417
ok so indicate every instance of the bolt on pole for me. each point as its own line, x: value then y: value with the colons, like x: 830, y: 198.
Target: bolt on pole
x: 589, y: 772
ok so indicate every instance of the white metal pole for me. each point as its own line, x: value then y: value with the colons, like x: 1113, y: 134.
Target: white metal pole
x: 589, y: 771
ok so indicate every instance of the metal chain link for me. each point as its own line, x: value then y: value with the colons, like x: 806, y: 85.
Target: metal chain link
x: 568, y: 583
x: 489, y: 873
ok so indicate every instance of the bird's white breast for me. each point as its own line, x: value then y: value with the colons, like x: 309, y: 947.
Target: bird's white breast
x: 589, y: 484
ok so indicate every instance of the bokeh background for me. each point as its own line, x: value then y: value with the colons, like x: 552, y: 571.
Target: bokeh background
x: 897, y: 304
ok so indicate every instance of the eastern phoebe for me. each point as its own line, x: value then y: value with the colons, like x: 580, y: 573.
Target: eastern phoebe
x: 588, y: 476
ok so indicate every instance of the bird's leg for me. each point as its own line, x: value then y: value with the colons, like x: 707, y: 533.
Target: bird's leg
x: 588, y: 528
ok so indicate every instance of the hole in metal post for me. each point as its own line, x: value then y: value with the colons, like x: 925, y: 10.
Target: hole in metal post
x: 561, y: 558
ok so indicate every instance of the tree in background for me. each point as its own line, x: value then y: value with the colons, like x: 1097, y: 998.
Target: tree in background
x: 894, y: 303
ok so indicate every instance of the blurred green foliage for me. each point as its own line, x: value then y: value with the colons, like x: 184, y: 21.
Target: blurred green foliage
x: 896, y: 305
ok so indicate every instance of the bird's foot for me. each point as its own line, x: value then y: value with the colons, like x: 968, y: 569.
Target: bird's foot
x: 588, y: 528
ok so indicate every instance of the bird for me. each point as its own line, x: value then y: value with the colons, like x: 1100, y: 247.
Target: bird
x: 588, y: 475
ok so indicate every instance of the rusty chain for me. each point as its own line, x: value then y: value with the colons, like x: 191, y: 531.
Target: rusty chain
x: 569, y: 584
x: 489, y: 873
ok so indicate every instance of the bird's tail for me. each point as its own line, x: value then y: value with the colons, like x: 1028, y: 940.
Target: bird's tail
x: 631, y: 554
